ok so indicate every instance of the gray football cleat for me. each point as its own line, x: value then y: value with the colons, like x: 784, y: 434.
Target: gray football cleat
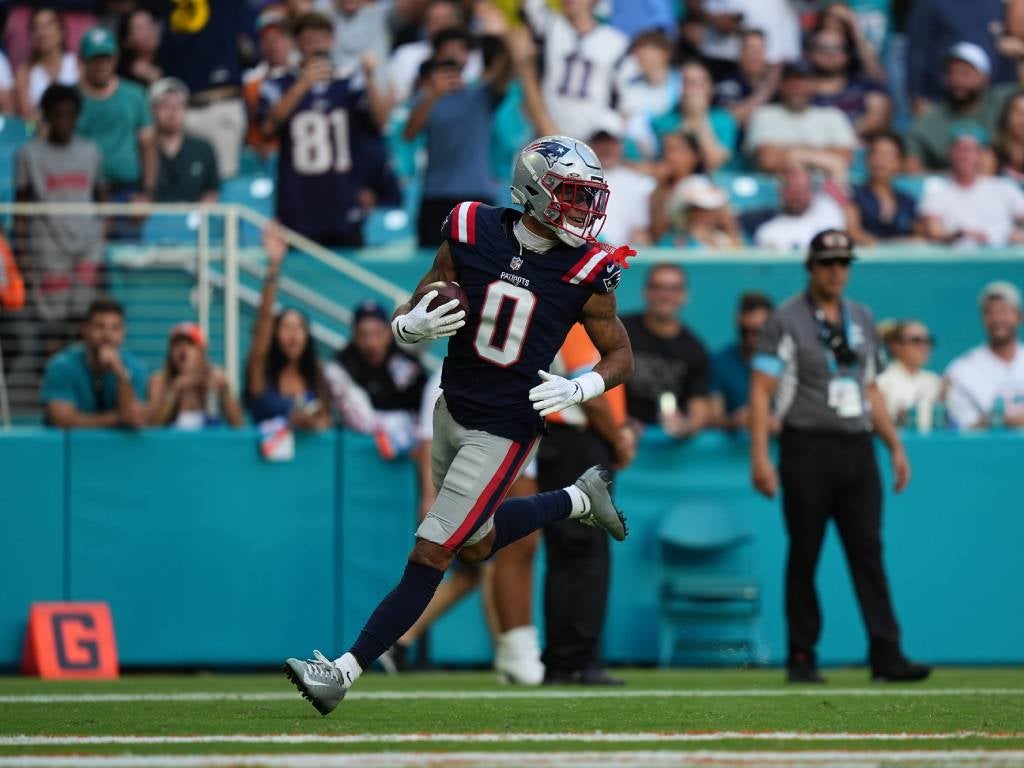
x: 595, y: 482
x: 318, y: 680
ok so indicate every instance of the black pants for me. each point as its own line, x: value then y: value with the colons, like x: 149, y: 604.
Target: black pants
x: 828, y: 475
x: 578, y: 562
x: 433, y: 212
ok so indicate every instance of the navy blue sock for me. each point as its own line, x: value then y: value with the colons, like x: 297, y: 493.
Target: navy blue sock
x: 398, y: 611
x: 522, y: 516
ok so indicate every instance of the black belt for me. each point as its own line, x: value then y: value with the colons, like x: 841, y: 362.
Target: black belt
x: 213, y: 95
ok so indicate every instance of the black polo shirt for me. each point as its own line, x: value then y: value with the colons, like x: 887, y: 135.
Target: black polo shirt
x: 188, y: 175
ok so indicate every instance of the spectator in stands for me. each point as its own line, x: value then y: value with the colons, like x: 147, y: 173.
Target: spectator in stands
x: 648, y: 87
x: 404, y: 64
x: 628, y: 215
x: 49, y: 62
x: 456, y: 118
x: 672, y: 380
x: 805, y: 212
x: 283, y: 378
x: 96, y: 383
x: 752, y: 84
x: 139, y: 41
x: 277, y: 53
x: 686, y: 206
x: 62, y: 255
x: 876, y: 210
x: 969, y: 208
x: 986, y: 384
x: 581, y: 59
x: 796, y: 131
x: 967, y: 99
x: 362, y: 32
x: 189, y: 392
x: 855, y: 22
x: 731, y: 365
x: 188, y: 168
x: 392, y: 378
x: 837, y: 84
x: 199, y: 46
x: 910, y: 392
x: 331, y: 148
x: 6, y: 86
x: 116, y: 116
x: 1009, y: 141
x: 715, y: 27
x: 934, y: 27
x: 714, y: 128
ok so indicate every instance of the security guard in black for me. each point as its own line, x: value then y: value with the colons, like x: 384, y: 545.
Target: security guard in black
x: 818, y: 356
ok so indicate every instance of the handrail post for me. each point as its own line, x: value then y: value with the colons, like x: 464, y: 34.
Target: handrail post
x: 231, y: 349
x: 203, y: 272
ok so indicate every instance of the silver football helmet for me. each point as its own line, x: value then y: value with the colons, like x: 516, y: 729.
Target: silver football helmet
x: 559, y: 181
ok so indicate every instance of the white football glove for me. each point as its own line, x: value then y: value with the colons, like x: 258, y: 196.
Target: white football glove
x: 419, y: 323
x: 556, y: 393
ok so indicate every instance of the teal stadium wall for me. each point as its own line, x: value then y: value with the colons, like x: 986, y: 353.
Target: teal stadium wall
x: 209, y: 556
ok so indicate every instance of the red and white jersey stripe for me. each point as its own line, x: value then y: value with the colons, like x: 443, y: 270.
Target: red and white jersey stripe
x: 463, y: 222
x: 587, y: 268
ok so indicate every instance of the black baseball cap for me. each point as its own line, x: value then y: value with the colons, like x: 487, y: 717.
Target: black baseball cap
x: 830, y: 244
x: 798, y: 68
x: 369, y: 308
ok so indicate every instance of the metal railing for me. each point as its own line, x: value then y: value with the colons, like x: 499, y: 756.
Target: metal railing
x: 160, y: 277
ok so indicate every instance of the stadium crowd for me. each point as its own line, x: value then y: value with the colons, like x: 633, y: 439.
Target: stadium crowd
x: 846, y: 104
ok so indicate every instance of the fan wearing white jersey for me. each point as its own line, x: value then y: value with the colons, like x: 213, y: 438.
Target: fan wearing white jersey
x: 581, y: 61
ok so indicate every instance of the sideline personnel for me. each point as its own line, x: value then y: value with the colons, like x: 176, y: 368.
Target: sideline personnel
x: 819, y: 356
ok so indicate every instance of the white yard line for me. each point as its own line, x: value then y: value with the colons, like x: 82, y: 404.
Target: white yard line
x: 488, y: 738
x: 608, y: 693
x: 648, y: 759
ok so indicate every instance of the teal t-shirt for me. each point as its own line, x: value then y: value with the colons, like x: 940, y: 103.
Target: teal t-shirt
x: 69, y: 379
x: 722, y: 123
x: 113, y: 124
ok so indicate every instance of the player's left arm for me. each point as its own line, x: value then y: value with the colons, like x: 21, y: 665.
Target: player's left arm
x: 601, y: 322
x: 606, y: 331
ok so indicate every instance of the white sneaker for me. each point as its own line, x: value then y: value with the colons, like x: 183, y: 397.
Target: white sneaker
x: 517, y: 657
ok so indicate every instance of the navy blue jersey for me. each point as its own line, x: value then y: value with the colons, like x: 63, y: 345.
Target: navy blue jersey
x: 521, y: 307
x: 199, y: 44
x: 319, y: 169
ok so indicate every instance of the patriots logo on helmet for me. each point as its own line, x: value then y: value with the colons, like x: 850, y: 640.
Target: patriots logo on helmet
x: 551, y: 151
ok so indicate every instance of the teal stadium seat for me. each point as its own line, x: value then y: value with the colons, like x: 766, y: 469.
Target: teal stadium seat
x: 749, y: 191
x: 710, y: 599
x: 255, y: 191
x: 13, y: 133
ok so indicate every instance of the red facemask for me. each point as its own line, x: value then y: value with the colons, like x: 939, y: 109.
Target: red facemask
x: 577, y: 206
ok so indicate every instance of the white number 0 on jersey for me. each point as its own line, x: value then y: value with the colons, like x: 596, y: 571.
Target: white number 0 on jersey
x: 512, y: 347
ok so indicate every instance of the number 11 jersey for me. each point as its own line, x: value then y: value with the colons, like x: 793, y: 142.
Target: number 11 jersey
x: 521, y: 307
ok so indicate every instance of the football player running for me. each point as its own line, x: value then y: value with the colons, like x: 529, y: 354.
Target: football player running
x: 528, y: 277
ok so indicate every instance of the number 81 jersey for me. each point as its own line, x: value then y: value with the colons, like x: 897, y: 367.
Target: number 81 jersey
x: 521, y: 307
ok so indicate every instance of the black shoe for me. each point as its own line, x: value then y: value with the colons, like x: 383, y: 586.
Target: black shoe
x: 598, y: 676
x: 560, y: 677
x: 899, y: 670
x: 803, y: 671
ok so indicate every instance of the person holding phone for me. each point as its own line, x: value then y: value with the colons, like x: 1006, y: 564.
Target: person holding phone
x: 189, y: 392
x: 283, y: 378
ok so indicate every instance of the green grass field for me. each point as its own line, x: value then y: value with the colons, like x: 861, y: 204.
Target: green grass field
x: 973, y: 716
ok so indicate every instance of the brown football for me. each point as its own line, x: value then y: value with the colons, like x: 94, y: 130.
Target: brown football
x: 445, y: 293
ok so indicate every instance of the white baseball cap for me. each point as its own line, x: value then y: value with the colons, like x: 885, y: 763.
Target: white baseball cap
x: 973, y: 54
x: 1000, y: 289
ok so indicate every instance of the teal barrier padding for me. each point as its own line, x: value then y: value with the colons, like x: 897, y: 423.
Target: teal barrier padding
x: 922, y: 283
x: 32, y: 556
x: 377, y: 502
x: 206, y: 553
